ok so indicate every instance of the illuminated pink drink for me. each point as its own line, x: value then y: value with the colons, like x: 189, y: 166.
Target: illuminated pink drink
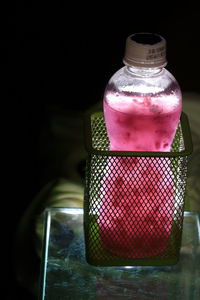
x: 141, y: 124
x: 135, y: 217
x: 142, y: 108
x: 134, y: 207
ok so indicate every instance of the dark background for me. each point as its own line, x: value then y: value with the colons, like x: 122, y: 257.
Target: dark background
x: 64, y: 55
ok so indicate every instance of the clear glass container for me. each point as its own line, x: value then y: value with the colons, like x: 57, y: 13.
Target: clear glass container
x: 65, y: 274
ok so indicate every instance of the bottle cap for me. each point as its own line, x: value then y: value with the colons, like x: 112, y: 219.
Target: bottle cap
x: 146, y: 50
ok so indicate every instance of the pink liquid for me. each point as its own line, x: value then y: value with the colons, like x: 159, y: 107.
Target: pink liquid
x: 136, y: 211
x: 140, y: 126
x: 135, y: 217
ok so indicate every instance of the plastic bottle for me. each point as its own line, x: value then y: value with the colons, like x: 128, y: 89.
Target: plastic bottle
x: 142, y: 101
x: 142, y: 108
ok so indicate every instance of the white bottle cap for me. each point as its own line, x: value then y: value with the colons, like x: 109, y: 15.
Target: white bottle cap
x: 146, y: 50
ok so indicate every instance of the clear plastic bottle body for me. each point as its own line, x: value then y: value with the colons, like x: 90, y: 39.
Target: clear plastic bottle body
x: 142, y: 108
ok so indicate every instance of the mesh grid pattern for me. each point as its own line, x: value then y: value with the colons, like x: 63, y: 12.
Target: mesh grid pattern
x: 133, y: 203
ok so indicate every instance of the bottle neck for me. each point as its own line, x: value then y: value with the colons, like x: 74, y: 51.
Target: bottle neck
x: 144, y: 72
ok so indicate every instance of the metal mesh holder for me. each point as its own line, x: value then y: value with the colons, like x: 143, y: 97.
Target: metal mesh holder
x: 134, y: 201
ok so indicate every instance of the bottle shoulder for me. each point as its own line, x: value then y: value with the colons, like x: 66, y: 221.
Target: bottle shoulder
x: 124, y: 80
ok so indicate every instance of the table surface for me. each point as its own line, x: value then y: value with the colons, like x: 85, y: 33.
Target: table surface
x: 65, y: 274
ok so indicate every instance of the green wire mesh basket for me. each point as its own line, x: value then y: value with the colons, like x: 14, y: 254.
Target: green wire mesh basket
x: 134, y: 201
